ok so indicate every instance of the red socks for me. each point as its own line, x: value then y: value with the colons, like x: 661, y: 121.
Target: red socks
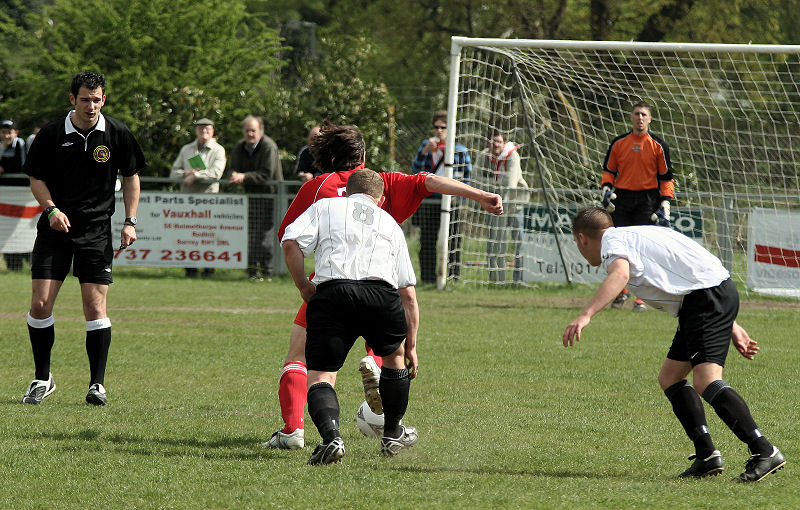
x: 292, y: 393
x: 370, y: 352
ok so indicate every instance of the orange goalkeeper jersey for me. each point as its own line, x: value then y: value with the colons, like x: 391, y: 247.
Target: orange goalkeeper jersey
x: 637, y: 163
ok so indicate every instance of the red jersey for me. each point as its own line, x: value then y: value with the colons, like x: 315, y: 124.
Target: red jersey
x: 403, y: 194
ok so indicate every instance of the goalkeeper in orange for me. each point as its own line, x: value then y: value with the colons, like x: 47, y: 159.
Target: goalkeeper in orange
x: 637, y: 184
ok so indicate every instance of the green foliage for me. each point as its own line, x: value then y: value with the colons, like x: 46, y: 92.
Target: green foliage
x: 508, y: 418
x: 165, y: 64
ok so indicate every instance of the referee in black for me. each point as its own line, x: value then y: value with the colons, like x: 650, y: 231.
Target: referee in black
x: 73, y: 166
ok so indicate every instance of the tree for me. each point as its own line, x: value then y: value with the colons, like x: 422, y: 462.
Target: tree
x: 202, y: 58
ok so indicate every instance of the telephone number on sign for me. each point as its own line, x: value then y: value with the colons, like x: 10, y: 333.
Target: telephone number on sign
x: 178, y: 255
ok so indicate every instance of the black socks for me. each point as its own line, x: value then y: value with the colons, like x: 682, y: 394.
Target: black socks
x: 394, y: 387
x: 323, y: 407
x: 733, y: 410
x: 688, y: 407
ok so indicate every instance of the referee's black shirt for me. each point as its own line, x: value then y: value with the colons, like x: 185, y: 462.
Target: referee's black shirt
x: 81, y: 172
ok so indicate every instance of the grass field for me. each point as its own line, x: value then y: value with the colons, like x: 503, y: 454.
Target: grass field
x: 508, y: 418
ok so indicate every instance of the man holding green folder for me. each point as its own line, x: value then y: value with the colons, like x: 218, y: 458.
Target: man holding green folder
x: 200, y: 163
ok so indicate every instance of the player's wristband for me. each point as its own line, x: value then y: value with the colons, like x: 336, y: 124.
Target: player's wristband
x: 50, y: 211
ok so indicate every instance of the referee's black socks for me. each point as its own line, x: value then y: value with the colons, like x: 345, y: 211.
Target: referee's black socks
x: 42, y: 333
x: 733, y: 410
x: 98, y: 340
x: 394, y: 386
x: 323, y: 407
x: 688, y: 407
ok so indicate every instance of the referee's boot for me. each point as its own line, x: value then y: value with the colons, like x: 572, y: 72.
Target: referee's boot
x: 39, y: 389
x: 702, y: 467
x: 96, y: 395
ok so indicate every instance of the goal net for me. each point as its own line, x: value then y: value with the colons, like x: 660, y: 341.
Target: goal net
x: 730, y: 115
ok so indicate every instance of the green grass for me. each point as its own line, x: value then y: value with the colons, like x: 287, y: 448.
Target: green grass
x: 508, y: 418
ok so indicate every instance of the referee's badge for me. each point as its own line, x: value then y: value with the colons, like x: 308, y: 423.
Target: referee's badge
x: 102, y: 154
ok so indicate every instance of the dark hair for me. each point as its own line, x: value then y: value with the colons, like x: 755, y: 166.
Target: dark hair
x: 591, y: 221
x: 440, y: 115
x: 642, y: 104
x: 337, y: 147
x: 365, y: 181
x: 89, y: 80
x: 495, y: 132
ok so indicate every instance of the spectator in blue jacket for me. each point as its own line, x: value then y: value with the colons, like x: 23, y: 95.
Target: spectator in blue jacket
x: 430, y: 158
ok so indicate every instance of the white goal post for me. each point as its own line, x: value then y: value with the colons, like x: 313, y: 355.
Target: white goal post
x: 729, y: 113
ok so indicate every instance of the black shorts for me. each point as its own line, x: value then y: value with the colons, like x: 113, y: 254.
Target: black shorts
x: 705, y: 325
x: 343, y: 310
x: 88, y: 249
x: 634, y: 207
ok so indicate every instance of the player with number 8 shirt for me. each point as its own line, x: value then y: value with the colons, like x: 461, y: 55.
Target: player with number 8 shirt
x: 339, y: 151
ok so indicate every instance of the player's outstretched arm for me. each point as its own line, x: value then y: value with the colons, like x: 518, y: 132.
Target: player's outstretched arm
x: 618, y: 273
x: 294, y: 263
x: 744, y: 344
x: 408, y: 296
x: 491, y: 202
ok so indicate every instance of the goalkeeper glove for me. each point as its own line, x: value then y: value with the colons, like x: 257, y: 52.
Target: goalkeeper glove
x: 661, y: 216
x: 607, y: 196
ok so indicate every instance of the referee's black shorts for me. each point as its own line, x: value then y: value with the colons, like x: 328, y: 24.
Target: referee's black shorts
x: 343, y: 310
x: 87, y: 249
x: 705, y: 324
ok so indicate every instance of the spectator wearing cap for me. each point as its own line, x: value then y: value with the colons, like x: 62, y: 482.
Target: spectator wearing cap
x: 200, y: 175
x: 200, y: 164
x: 12, y: 148
x: 12, y: 157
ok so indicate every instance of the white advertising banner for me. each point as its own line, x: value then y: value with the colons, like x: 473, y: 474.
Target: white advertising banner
x: 773, y: 252
x: 185, y: 230
x: 541, y: 259
x: 19, y: 212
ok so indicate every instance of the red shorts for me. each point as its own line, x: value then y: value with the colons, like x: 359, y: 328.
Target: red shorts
x: 300, y: 318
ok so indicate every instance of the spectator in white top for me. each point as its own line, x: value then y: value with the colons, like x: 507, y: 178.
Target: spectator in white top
x: 675, y: 274
x: 501, y: 172
x: 363, y: 286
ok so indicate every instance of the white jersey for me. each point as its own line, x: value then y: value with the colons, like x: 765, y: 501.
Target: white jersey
x: 665, y: 265
x: 353, y: 239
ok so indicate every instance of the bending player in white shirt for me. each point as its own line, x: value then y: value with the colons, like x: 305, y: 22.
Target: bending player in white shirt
x: 363, y: 286
x: 675, y: 274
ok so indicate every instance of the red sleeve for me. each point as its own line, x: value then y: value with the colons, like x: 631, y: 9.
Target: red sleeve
x: 301, y: 202
x: 403, y: 193
x: 323, y: 186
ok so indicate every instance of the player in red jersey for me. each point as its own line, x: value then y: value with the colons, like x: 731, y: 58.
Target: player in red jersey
x: 340, y: 151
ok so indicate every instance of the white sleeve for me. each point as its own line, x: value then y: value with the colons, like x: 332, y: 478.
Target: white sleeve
x: 304, y: 230
x: 405, y: 270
